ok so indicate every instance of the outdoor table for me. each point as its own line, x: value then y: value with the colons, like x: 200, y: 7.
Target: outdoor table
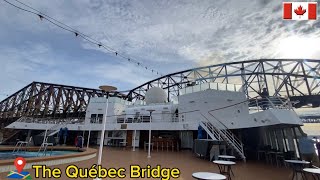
x: 297, y: 167
x: 226, y: 157
x: 225, y: 167
x: 314, y: 171
x: 208, y: 176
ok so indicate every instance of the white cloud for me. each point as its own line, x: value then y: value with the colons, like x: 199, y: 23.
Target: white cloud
x: 165, y: 35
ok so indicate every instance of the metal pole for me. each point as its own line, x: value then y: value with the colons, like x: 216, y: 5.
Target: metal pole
x: 89, y: 136
x: 134, y: 140
x: 82, y: 139
x: 45, y: 134
x: 149, y: 145
x: 102, y: 133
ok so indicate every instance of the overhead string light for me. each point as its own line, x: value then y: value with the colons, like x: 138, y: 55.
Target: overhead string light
x: 87, y: 38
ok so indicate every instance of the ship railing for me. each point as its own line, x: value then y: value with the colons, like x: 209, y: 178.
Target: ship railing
x: 212, y: 85
x: 51, y: 120
x: 271, y: 102
x: 142, y: 118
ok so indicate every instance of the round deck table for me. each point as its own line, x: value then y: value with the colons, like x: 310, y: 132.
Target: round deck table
x: 208, y: 176
x: 226, y: 157
x: 297, y: 167
x: 225, y: 167
x: 314, y: 171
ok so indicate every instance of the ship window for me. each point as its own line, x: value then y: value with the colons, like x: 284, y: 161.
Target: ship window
x: 123, y: 126
x: 93, y: 118
x: 100, y: 117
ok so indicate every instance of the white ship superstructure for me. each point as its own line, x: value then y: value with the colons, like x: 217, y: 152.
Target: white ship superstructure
x: 224, y: 116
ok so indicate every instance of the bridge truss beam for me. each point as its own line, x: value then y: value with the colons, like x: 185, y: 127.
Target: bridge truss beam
x: 298, y: 79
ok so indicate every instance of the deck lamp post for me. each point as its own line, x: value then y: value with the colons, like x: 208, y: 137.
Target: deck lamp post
x: 104, y: 122
x: 149, y: 145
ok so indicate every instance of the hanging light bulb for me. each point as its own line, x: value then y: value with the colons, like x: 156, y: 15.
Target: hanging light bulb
x: 40, y: 16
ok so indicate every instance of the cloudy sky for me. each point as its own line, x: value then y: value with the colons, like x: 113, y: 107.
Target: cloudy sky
x: 166, y: 35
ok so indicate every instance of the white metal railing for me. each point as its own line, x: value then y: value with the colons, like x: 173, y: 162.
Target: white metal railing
x: 51, y: 120
x: 272, y: 102
x: 54, y: 129
x: 219, y: 130
x: 44, y: 147
x: 207, y: 126
x: 142, y: 118
x: 211, y: 85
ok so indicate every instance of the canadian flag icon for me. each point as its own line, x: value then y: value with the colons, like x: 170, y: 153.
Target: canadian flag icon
x: 300, y: 10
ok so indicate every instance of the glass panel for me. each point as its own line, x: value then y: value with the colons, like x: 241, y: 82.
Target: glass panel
x: 196, y: 88
x: 230, y: 87
x: 205, y: 86
x: 188, y: 90
x: 222, y: 87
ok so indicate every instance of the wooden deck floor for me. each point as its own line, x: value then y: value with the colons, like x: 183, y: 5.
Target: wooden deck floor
x: 186, y: 161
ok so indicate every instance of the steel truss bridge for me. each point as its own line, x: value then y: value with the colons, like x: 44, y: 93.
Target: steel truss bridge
x: 297, y: 79
x: 310, y: 119
x: 49, y: 100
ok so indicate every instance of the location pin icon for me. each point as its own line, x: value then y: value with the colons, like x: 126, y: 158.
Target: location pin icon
x: 19, y: 163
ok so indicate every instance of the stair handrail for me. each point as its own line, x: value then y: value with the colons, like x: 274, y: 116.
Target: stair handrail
x: 227, y: 132
x: 12, y: 135
x: 224, y: 126
x: 208, y: 126
x: 52, y: 128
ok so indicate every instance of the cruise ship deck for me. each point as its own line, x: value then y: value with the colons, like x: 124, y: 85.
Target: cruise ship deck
x: 186, y: 161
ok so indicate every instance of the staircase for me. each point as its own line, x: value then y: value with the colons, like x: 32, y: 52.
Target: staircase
x: 217, y: 130
x: 8, y: 134
x: 208, y: 127
x: 51, y: 131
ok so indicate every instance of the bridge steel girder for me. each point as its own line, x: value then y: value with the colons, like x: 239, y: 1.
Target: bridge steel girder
x: 39, y: 99
x: 298, y: 79
x: 278, y: 77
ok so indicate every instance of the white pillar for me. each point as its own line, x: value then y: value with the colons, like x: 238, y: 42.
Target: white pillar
x: 83, y: 138
x: 102, y: 133
x: 149, y: 146
x: 89, y: 136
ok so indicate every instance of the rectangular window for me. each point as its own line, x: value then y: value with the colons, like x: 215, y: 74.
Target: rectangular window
x: 93, y: 118
x: 100, y: 117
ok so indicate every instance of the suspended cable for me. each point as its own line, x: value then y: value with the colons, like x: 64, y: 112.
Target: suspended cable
x: 87, y: 38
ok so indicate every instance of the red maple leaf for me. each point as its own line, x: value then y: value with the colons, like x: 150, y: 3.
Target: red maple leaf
x: 299, y: 11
